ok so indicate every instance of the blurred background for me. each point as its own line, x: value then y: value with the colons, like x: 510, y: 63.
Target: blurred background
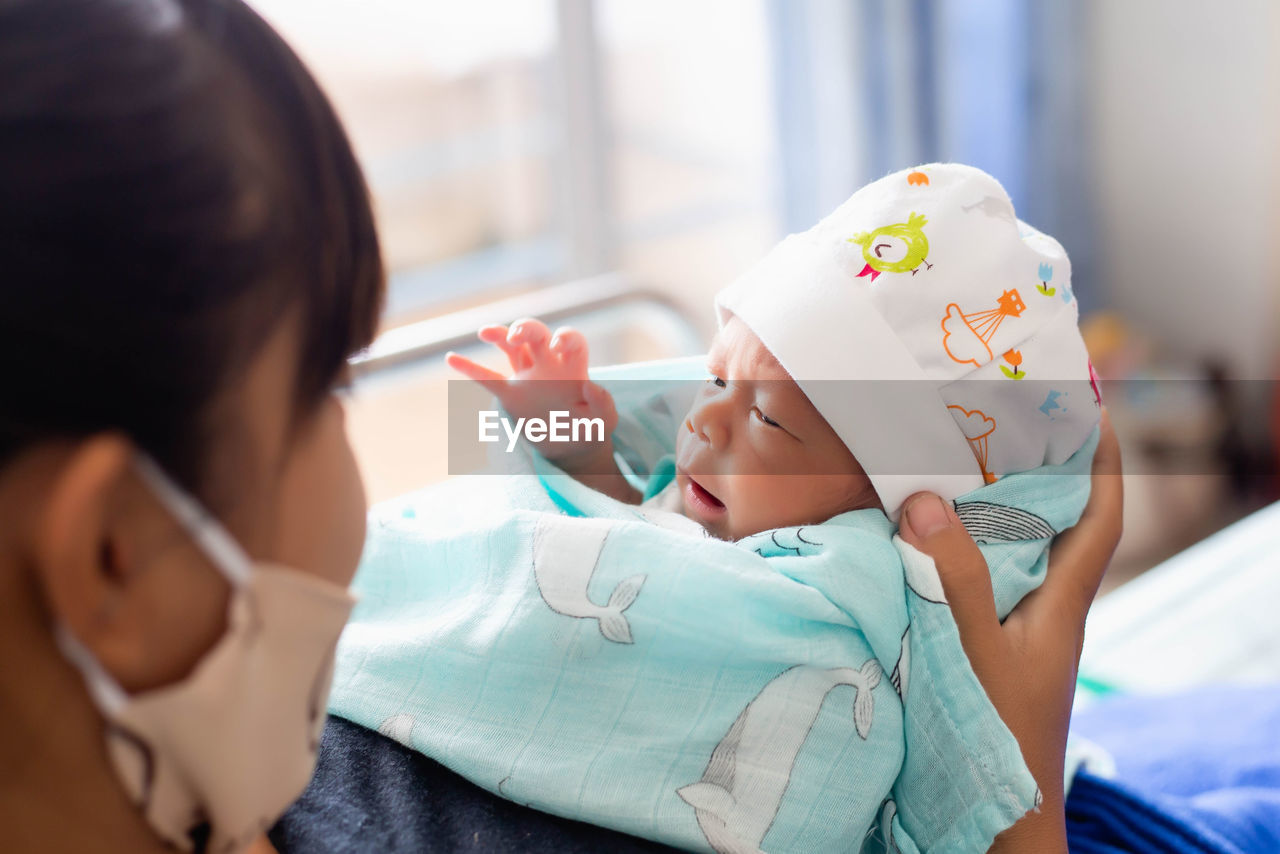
x: 612, y: 163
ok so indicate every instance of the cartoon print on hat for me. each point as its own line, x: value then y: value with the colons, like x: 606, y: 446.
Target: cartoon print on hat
x: 817, y: 302
x: 977, y: 427
x: 1014, y: 358
x: 973, y: 332
x: 1046, y: 276
x: 880, y: 247
x: 1051, y: 403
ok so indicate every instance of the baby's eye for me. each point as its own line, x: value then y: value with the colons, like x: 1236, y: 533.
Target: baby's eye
x: 719, y: 383
x: 767, y: 420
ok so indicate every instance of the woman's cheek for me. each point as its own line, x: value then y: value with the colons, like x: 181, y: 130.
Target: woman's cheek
x: 322, y: 502
x: 352, y: 508
x: 355, y: 531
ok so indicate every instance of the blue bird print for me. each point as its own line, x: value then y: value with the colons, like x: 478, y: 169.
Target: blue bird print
x: 1051, y: 403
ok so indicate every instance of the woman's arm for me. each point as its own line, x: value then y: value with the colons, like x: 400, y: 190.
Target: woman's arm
x: 1028, y: 664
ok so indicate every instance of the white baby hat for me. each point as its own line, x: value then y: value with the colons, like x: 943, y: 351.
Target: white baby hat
x: 934, y: 331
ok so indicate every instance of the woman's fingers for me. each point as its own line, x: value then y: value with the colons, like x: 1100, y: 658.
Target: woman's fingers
x: 1080, y: 555
x: 932, y: 526
x: 492, y: 381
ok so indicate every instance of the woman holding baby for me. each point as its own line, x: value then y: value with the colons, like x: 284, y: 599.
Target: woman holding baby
x: 189, y: 258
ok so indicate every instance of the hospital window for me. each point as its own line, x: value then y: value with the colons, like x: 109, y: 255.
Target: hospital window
x: 511, y: 144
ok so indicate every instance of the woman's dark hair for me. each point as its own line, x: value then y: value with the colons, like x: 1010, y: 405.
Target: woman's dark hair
x: 173, y: 183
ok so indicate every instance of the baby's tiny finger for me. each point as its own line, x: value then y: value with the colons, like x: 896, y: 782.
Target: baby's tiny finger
x: 570, y: 346
x: 531, y: 335
x: 529, y: 331
x: 491, y: 380
x: 497, y: 336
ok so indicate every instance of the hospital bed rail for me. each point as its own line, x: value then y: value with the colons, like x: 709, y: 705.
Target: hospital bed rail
x: 427, y: 340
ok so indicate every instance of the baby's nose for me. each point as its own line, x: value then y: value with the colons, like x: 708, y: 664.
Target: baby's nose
x: 707, y: 428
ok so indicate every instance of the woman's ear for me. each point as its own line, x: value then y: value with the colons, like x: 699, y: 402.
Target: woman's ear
x: 120, y: 573
x: 79, y: 562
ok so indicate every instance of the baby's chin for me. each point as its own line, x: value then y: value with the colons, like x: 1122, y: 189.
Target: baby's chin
x: 729, y: 534
x: 726, y: 529
x: 712, y: 530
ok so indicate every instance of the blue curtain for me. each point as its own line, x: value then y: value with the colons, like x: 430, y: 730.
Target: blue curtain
x: 864, y: 87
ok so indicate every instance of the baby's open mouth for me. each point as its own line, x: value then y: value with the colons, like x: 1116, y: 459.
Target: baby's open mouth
x: 702, y: 500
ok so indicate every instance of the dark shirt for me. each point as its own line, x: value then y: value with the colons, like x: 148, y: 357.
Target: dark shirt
x: 372, y: 794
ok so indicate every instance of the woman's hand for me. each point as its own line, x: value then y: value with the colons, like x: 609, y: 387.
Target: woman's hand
x: 1028, y: 664
x: 549, y: 373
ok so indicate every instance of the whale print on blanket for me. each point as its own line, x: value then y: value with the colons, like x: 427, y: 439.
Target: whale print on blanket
x: 399, y: 728
x: 997, y: 523
x: 902, y: 670
x: 784, y: 542
x: 743, y: 785
x: 879, y: 839
x: 565, y: 553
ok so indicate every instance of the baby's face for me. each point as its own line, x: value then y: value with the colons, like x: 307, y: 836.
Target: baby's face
x: 754, y: 454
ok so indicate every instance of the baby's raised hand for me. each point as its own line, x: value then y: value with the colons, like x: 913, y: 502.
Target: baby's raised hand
x: 549, y: 373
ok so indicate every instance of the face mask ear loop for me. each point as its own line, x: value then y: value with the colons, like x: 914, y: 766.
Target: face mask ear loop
x: 106, y: 690
x: 205, y: 530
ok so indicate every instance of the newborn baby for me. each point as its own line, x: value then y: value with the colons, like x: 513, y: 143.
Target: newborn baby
x: 795, y: 681
x: 831, y: 391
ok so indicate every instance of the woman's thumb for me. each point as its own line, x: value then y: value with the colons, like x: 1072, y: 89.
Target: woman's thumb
x: 932, y: 526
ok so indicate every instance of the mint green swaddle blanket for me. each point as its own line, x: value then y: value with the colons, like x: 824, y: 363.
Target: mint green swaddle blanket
x: 803, y: 689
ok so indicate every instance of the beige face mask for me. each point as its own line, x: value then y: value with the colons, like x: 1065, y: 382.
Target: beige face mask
x: 234, y: 743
